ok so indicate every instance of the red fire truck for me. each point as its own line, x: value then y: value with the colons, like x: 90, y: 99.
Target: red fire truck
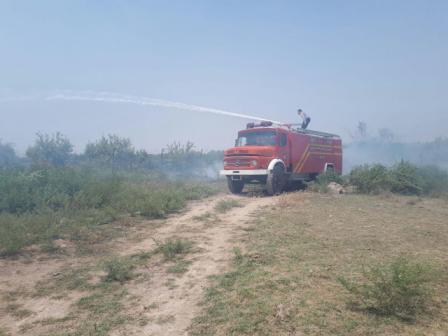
x: 279, y: 155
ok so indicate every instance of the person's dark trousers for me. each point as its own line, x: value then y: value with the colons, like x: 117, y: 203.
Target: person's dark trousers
x: 305, y: 123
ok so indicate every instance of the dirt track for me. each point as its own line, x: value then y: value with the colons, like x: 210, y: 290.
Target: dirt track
x: 168, y: 301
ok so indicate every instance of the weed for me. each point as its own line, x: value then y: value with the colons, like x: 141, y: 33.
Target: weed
x: 13, y: 236
x: 152, y: 306
x: 181, y: 266
x: 18, y: 312
x: 225, y: 205
x: 173, y: 248
x: 370, y: 179
x: 402, y: 178
x: 105, y: 309
x: 164, y: 319
x: 118, y: 269
x: 329, y: 176
x: 204, y: 217
x: 64, y: 280
x: 42, y: 204
x: 400, y: 288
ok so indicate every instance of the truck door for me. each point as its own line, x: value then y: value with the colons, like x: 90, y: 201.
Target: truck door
x: 283, y: 148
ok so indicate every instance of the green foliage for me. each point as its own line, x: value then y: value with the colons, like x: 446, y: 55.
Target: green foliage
x: 185, y: 160
x: 17, y: 232
x: 329, y: 176
x: 402, y: 178
x: 181, y: 266
x: 118, y: 269
x: 370, y: 179
x: 54, y: 150
x: 112, y: 151
x: 40, y: 204
x: 323, y: 179
x: 8, y: 155
x: 434, y: 181
x: 401, y: 288
x: 176, y: 159
x: 173, y: 248
x: 225, y: 205
x: 12, y: 234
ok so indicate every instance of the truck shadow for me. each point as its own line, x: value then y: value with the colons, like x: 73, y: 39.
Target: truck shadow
x: 257, y: 190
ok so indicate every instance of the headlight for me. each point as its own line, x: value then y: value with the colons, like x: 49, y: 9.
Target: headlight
x: 254, y: 163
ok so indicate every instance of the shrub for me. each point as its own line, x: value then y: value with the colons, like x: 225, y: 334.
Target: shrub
x: 17, y: 231
x: 330, y: 176
x: 37, y: 205
x: 118, y: 269
x: 323, y: 179
x: 434, y: 180
x: 53, y: 149
x: 370, y: 179
x: 13, y: 235
x: 401, y: 288
x: 404, y: 179
x: 173, y: 248
x: 225, y: 205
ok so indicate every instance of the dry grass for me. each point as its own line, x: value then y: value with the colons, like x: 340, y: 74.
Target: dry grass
x: 287, y: 280
x: 227, y: 204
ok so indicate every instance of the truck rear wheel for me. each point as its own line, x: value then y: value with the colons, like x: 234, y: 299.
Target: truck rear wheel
x: 235, y: 186
x: 276, y: 180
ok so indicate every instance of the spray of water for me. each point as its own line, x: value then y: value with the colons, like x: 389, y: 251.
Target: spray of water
x: 144, y: 101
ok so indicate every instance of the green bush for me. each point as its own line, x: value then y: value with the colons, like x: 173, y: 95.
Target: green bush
x: 118, y: 269
x: 370, y: 179
x: 18, y: 231
x: 401, y: 288
x: 38, y: 205
x: 329, y: 176
x: 173, y: 248
x: 434, y: 180
x: 13, y: 235
x: 225, y: 205
x: 324, y: 179
x: 402, y: 178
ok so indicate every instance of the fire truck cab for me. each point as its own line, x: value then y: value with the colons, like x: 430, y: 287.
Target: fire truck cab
x: 278, y: 155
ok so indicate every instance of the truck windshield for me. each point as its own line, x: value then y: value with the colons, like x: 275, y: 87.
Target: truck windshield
x: 257, y: 138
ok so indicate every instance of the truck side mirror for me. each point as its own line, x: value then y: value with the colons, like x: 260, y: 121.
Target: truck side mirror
x: 236, y: 142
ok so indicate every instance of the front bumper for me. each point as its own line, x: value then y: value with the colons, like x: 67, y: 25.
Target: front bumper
x: 244, y: 172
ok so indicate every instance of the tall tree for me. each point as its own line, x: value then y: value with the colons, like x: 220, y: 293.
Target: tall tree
x: 111, y: 150
x: 8, y: 155
x: 54, y: 150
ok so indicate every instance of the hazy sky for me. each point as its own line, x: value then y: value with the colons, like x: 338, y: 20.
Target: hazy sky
x: 382, y: 62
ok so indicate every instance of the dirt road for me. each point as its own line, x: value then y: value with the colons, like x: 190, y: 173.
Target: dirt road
x: 165, y: 298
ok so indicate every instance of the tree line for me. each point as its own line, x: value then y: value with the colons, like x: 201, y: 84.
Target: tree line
x: 111, y: 152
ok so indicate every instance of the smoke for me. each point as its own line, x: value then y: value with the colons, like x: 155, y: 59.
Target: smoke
x: 372, y: 151
x: 144, y: 101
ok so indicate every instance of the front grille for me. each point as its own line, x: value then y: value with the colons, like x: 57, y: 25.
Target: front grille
x: 238, y: 162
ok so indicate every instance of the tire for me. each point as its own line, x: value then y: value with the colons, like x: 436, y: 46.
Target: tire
x: 235, y: 187
x: 276, y: 180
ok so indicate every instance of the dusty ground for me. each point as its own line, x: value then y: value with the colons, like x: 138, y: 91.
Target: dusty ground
x: 286, y: 281
x: 270, y: 267
x: 41, y: 294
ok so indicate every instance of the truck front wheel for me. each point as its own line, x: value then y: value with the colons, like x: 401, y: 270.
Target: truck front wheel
x: 276, y: 180
x: 235, y: 186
